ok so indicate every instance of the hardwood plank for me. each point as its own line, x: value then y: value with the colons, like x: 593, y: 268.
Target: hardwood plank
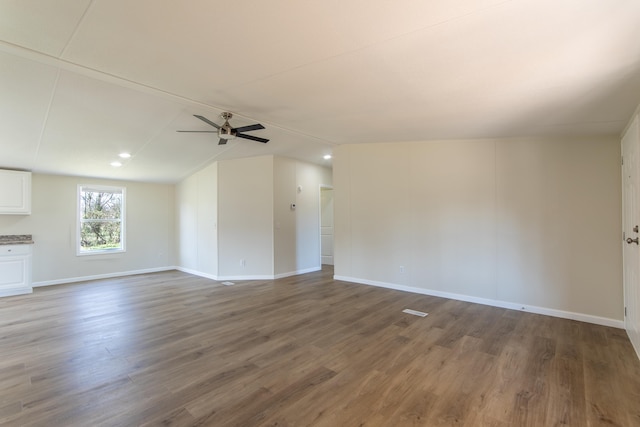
x: 568, y: 405
x: 175, y: 349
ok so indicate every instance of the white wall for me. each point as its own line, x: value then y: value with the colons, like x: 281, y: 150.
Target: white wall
x: 187, y: 222
x: 149, y: 227
x: 531, y: 223
x: 208, y: 219
x: 196, y: 218
x: 250, y: 199
x: 297, y: 231
x: 284, y: 230
x: 245, y: 218
x: 309, y: 179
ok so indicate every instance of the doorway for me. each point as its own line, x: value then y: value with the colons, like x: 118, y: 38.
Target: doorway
x: 326, y: 225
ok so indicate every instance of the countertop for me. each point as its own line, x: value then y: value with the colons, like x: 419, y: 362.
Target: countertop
x: 16, y: 239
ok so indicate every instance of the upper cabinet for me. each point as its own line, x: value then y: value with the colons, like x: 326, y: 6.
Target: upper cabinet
x: 15, y: 192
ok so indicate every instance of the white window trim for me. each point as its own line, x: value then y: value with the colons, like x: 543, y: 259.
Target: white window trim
x: 123, y: 222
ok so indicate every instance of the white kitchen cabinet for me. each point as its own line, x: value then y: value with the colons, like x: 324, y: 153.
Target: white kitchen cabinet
x: 15, y: 269
x: 15, y: 192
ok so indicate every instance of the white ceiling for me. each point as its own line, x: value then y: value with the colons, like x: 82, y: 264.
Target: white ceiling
x: 82, y: 80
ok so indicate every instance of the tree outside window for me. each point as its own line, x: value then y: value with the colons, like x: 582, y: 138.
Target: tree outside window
x: 101, y: 219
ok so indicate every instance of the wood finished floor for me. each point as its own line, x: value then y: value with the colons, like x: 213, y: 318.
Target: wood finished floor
x: 175, y: 349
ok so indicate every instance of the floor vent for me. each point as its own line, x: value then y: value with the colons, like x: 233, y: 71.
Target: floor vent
x: 228, y: 283
x: 414, y: 312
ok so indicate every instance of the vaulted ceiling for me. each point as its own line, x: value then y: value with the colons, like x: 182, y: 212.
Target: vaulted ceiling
x: 83, y: 80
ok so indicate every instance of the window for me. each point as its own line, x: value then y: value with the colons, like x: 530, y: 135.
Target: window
x: 101, y: 214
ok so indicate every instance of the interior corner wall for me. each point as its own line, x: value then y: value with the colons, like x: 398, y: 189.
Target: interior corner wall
x: 284, y: 229
x: 309, y: 179
x: 207, y: 211
x: 297, y: 230
x: 196, y: 219
x: 522, y: 223
x: 186, y: 222
x: 234, y: 218
x: 245, y: 218
x: 150, y: 231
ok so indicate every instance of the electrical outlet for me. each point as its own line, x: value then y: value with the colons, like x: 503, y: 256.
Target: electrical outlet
x: 402, y: 269
x: 243, y: 263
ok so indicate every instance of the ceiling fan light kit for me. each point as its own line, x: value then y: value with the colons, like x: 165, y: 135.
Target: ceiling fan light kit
x: 227, y: 132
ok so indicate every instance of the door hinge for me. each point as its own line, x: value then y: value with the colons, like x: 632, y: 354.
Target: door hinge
x: 622, y: 160
x: 625, y: 312
x: 624, y: 236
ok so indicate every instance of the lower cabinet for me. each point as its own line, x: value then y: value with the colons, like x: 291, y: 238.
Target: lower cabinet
x: 15, y: 270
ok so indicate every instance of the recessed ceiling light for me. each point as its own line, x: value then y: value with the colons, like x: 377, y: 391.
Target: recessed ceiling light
x: 116, y: 164
x: 124, y: 155
x: 327, y: 156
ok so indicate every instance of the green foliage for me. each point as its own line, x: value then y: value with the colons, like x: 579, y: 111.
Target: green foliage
x: 101, y: 220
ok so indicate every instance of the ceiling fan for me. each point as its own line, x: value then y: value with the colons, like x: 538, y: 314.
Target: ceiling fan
x: 226, y: 132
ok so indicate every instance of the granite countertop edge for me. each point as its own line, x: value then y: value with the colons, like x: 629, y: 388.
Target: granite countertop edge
x: 16, y: 239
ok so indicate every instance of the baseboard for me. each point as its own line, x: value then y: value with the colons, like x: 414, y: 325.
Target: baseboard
x: 295, y: 273
x: 247, y: 277
x: 222, y: 278
x: 100, y: 276
x: 634, y: 337
x: 159, y: 269
x: 10, y: 292
x: 604, y: 321
x: 197, y: 273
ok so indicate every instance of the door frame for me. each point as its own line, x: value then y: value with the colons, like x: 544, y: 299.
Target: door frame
x: 323, y: 187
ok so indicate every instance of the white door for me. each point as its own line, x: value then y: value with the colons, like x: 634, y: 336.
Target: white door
x: 326, y: 225
x: 630, y: 223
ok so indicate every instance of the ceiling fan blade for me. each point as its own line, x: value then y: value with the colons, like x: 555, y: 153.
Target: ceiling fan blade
x: 253, y: 138
x: 204, y: 119
x: 199, y: 131
x: 257, y: 126
x: 222, y: 141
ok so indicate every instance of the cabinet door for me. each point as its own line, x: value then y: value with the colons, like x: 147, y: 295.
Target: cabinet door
x: 15, y: 192
x: 14, y: 272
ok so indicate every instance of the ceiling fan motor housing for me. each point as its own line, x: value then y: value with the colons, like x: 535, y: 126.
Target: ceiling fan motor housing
x: 226, y: 131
